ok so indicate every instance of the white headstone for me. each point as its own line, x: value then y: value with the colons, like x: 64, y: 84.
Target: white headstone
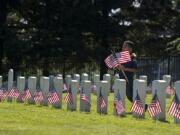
x: 96, y: 83
x: 86, y: 89
x: 167, y: 78
x: 159, y: 87
x: 20, y: 87
x: 116, y: 76
x: 41, y: 81
x: 68, y: 80
x: 51, y: 83
x: 32, y: 82
x: 74, y: 89
x: 144, y: 77
x: 103, y: 93
x: 107, y: 77
x: 21, y: 84
x: 58, y: 85
x: 177, y: 89
x: 59, y: 75
x: 10, y: 79
x: 45, y: 89
x: 0, y: 81
x: 120, y: 90
x: 139, y: 87
x: 77, y: 77
x: 84, y: 76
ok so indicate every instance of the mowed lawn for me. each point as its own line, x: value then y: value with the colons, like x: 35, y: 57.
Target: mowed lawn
x: 24, y: 119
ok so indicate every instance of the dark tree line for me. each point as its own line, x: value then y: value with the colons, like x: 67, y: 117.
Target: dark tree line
x: 33, y: 31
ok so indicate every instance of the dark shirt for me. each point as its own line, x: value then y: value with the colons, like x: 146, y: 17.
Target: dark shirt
x: 130, y: 75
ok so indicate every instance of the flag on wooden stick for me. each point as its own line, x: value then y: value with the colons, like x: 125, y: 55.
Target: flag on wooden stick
x: 102, y: 102
x: 137, y: 106
x: 38, y: 96
x: 53, y: 97
x: 69, y: 97
x: 154, y: 108
x: 174, y: 109
x: 84, y: 98
x: 26, y: 95
x: 118, y: 105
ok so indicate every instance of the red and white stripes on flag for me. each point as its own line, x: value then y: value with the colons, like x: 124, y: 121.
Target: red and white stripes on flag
x: 119, y: 107
x: 102, y: 102
x: 123, y: 57
x: 69, y: 97
x: 111, y: 61
x: 38, y: 96
x: 14, y: 93
x: 137, y: 106
x: 154, y: 108
x: 3, y: 94
x: 84, y: 98
x: 174, y: 109
x: 53, y: 97
x: 26, y: 95
x: 169, y: 90
x: 116, y: 59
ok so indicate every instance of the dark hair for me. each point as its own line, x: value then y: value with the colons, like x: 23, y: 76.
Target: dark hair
x: 129, y: 43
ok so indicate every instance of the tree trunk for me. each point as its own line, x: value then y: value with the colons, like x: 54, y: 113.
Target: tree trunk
x: 3, y: 14
x: 105, y: 45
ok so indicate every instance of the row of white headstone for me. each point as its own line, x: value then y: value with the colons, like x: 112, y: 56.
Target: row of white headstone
x: 139, y: 85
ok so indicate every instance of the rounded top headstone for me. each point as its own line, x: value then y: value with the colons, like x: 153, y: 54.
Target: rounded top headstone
x: 21, y: 77
x: 46, y: 78
x: 104, y: 81
x: 86, y: 81
x: 74, y: 81
x: 11, y: 70
x: 140, y: 80
x: 160, y: 81
x: 32, y: 77
x: 58, y: 77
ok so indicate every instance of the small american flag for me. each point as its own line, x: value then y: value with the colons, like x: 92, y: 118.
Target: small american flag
x: 154, y: 108
x: 116, y: 59
x: 83, y: 97
x: 174, y: 109
x: 69, y: 97
x: 118, y: 105
x: 53, y: 97
x: 102, y: 102
x: 14, y: 93
x: 123, y: 57
x: 169, y: 90
x: 111, y: 61
x: 3, y: 94
x: 137, y: 106
x: 26, y: 95
x: 38, y: 96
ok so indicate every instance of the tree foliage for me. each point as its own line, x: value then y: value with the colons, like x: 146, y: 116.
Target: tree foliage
x: 84, y: 30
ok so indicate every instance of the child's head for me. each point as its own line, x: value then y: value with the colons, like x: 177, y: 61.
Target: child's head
x: 127, y: 46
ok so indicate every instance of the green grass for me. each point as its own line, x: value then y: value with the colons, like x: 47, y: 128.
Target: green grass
x: 23, y: 119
